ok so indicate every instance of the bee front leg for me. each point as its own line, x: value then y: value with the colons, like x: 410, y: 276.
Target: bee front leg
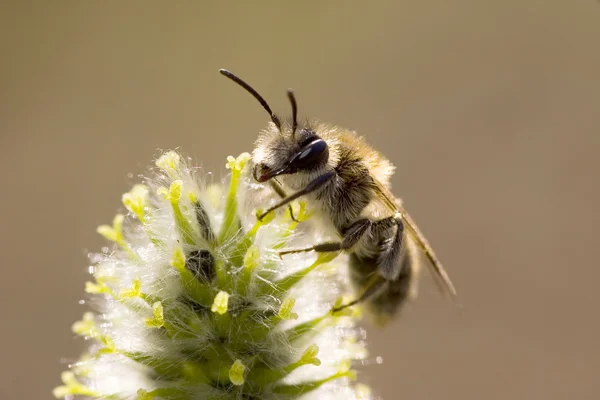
x: 315, y: 184
x: 276, y: 186
x: 351, y: 236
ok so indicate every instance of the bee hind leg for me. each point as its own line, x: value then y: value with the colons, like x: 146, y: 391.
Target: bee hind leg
x: 389, y: 266
x: 376, y: 286
x: 389, y: 263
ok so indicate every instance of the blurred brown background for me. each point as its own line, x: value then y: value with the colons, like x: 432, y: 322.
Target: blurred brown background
x: 490, y: 110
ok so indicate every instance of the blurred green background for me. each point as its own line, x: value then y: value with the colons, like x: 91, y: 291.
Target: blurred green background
x: 489, y: 109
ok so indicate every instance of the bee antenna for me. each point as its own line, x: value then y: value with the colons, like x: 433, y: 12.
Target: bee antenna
x: 292, y: 98
x: 254, y: 93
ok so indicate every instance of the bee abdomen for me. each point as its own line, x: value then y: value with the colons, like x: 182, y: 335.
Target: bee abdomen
x: 397, y: 292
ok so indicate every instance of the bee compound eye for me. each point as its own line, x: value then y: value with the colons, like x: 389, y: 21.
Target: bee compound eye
x: 316, y: 152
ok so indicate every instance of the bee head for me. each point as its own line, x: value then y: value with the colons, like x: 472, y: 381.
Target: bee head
x: 284, y: 149
x: 288, y: 153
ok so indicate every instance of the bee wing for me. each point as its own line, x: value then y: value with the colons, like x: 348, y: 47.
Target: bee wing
x: 439, y: 272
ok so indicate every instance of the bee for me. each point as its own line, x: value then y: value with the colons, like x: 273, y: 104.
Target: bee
x: 349, y: 183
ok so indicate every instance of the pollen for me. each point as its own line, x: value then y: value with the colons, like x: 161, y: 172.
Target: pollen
x: 220, y: 303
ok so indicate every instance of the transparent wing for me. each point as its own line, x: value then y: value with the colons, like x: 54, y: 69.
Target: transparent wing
x: 438, y: 271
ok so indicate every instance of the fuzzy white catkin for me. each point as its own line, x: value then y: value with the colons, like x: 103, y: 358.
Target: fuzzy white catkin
x: 193, y: 302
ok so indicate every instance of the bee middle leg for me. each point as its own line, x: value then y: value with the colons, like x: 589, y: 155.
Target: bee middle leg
x: 351, y: 236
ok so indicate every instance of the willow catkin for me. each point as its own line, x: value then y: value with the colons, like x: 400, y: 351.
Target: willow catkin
x: 193, y: 302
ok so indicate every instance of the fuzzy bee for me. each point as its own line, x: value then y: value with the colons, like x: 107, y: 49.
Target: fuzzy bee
x: 348, y: 182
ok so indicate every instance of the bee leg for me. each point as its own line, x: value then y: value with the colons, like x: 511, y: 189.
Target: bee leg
x: 375, y: 287
x: 281, y: 193
x: 351, y: 236
x: 388, y: 264
x: 315, y: 184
